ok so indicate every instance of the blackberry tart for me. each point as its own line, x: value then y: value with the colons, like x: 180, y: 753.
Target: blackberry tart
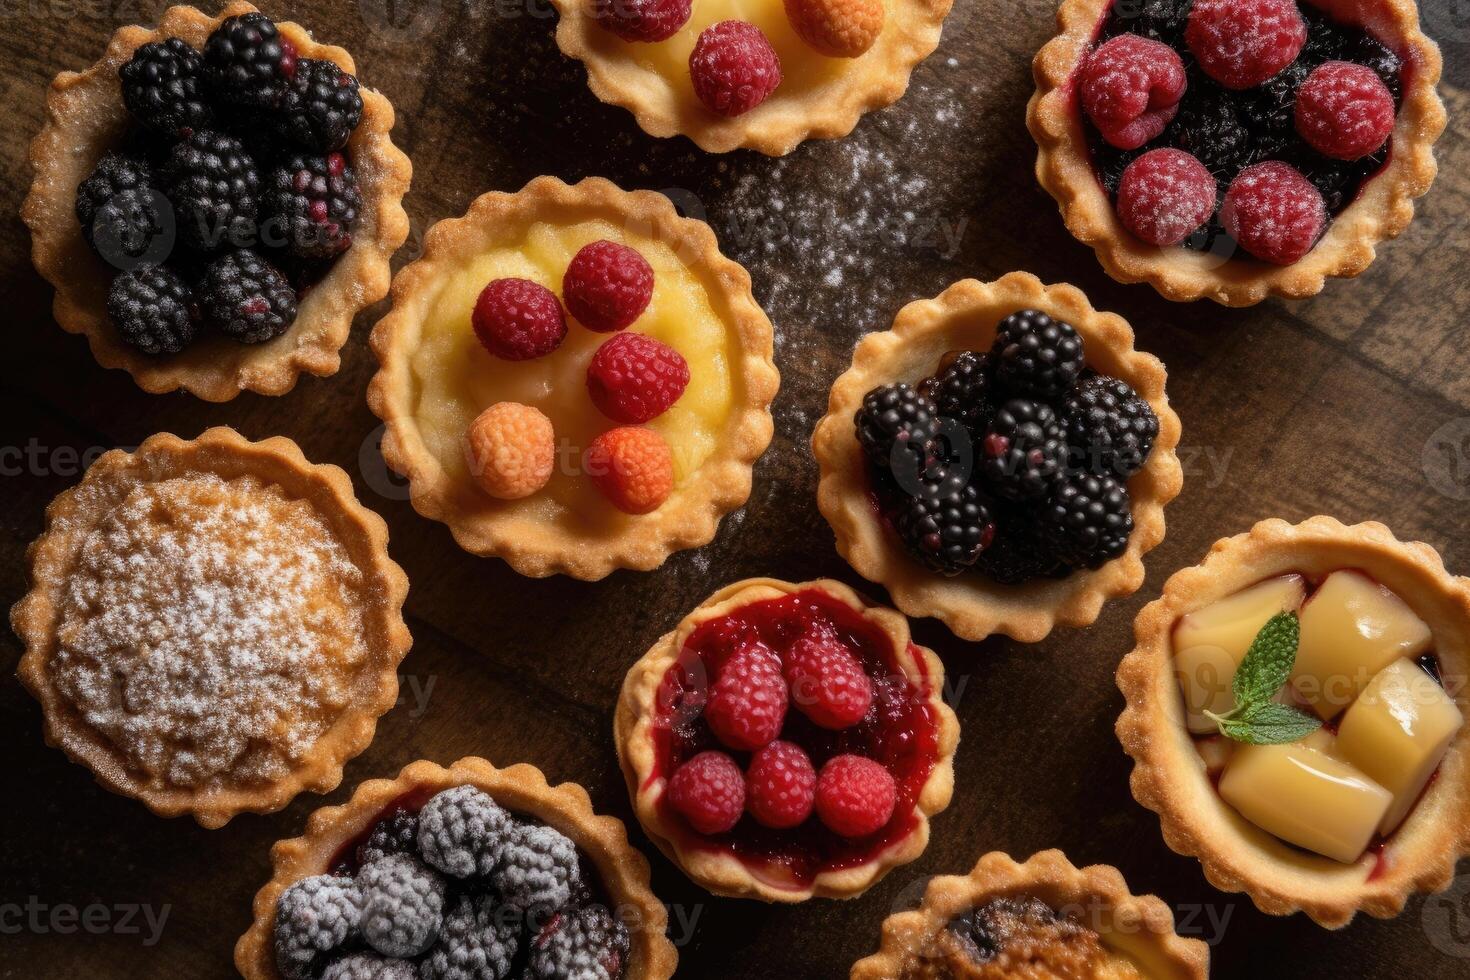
x: 1214, y: 168
x: 234, y: 156
x: 1000, y: 459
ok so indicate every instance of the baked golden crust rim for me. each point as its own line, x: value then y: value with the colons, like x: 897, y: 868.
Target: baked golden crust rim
x: 964, y: 317
x: 51, y: 558
x: 85, y: 116
x: 520, y: 788
x: 691, y: 515
x: 1169, y: 778
x: 720, y: 872
x: 1382, y: 211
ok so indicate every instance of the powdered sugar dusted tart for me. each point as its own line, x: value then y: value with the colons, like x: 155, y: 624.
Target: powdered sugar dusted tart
x: 333, y: 835
x: 213, y: 626
x: 1042, y: 915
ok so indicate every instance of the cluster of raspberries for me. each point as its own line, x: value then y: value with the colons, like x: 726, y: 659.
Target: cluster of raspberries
x: 229, y: 194
x: 459, y: 890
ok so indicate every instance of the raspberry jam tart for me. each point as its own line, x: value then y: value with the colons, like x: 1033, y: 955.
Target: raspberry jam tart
x: 1044, y: 918
x: 465, y: 873
x: 214, y: 201
x: 1000, y: 458
x: 1237, y: 148
x: 764, y: 75
x: 1296, y: 714
x: 786, y: 741
x: 575, y: 379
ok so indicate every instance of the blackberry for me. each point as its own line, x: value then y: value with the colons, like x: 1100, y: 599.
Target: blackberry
x: 1024, y: 450
x: 153, y: 309
x: 402, y: 905
x: 1376, y: 55
x: 945, y: 526
x: 163, y: 87
x: 1036, y: 355
x: 315, y: 917
x: 1269, y: 109
x: 215, y: 190
x: 247, y: 63
x: 398, y: 834
x: 370, y: 966
x: 1209, y: 127
x: 1019, y: 553
x: 1160, y: 20
x: 1110, y: 426
x: 897, y: 427
x: 320, y: 106
x: 119, y: 211
x: 983, y: 932
x: 312, y: 202
x: 539, y: 869
x: 1088, y: 519
x: 962, y: 391
x: 476, y: 942
x: 460, y: 831
x: 243, y: 296
x: 587, y: 945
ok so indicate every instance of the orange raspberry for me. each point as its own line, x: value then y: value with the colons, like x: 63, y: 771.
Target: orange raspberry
x: 633, y: 467
x: 510, y: 449
x: 838, y: 28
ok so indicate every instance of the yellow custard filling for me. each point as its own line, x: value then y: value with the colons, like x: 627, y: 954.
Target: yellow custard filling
x: 456, y: 378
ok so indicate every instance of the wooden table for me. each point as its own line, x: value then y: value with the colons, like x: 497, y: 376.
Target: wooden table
x: 1337, y: 405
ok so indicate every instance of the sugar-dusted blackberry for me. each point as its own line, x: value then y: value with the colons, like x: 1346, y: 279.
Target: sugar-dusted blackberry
x: 245, y: 297
x: 896, y: 426
x: 153, y: 309
x: 1024, y: 450
x: 163, y: 87
x: 962, y: 390
x: 1110, y: 429
x: 370, y: 966
x: 460, y: 831
x: 1036, y: 356
x: 309, y: 203
x: 1088, y: 519
x: 538, y: 870
x: 214, y: 187
x: 119, y: 211
x: 395, y: 834
x: 247, y: 63
x: 320, y: 106
x: 316, y: 918
x: 586, y: 945
x: 1209, y: 127
x: 402, y: 905
x: 477, y: 941
x: 945, y: 526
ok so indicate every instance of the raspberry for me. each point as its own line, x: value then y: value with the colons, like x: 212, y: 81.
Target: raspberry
x: 828, y: 685
x: 642, y: 20
x: 510, y: 449
x: 1344, y: 110
x: 460, y: 830
x: 1274, y: 212
x: 747, y: 702
x: 855, y: 796
x: 314, y: 917
x: 1131, y: 88
x: 780, y: 786
x: 634, y: 379
x: 1241, y: 43
x: 607, y: 286
x: 633, y: 467
x: 733, y: 67
x: 1164, y: 196
x: 709, y: 791
x: 837, y: 28
x: 519, y: 320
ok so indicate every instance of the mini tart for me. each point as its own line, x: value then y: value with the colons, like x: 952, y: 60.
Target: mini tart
x: 1138, y: 930
x: 85, y: 118
x: 714, y: 864
x: 435, y: 378
x: 521, y: 789
x: 818, y: 98
x: 1383, y: 209
x: 1171, y: 778
x: 149, y: 560
x: 964, y: 317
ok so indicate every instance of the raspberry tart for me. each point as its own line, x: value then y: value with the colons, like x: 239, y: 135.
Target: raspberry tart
x: 1296, y: 717
x: 1213, y: 166
x: 1041, y: 918
x: 574, y: 379
x: 214, y: 201
x: 763, y: 76
x: 787, y: 741
x: 1000, y: 459
x: 221, y: 572
x: 462, y: 873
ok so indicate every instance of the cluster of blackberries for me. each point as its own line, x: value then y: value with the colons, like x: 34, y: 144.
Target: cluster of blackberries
x: 230, y: 194
x: 1012, y: 461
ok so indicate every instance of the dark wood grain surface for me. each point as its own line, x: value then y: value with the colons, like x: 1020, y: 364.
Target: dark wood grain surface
x: 1356, y: 404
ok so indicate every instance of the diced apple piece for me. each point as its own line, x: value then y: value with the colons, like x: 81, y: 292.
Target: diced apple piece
x: 1397, y: 732
x: 1210, y: 643
x: 1352, y: 628
x: 1305, y: 797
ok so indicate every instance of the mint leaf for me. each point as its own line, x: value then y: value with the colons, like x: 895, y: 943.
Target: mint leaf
x: 1267, y: 664
x: 1270, y: 724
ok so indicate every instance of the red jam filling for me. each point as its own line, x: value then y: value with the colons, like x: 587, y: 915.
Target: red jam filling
x: 900, y: 731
